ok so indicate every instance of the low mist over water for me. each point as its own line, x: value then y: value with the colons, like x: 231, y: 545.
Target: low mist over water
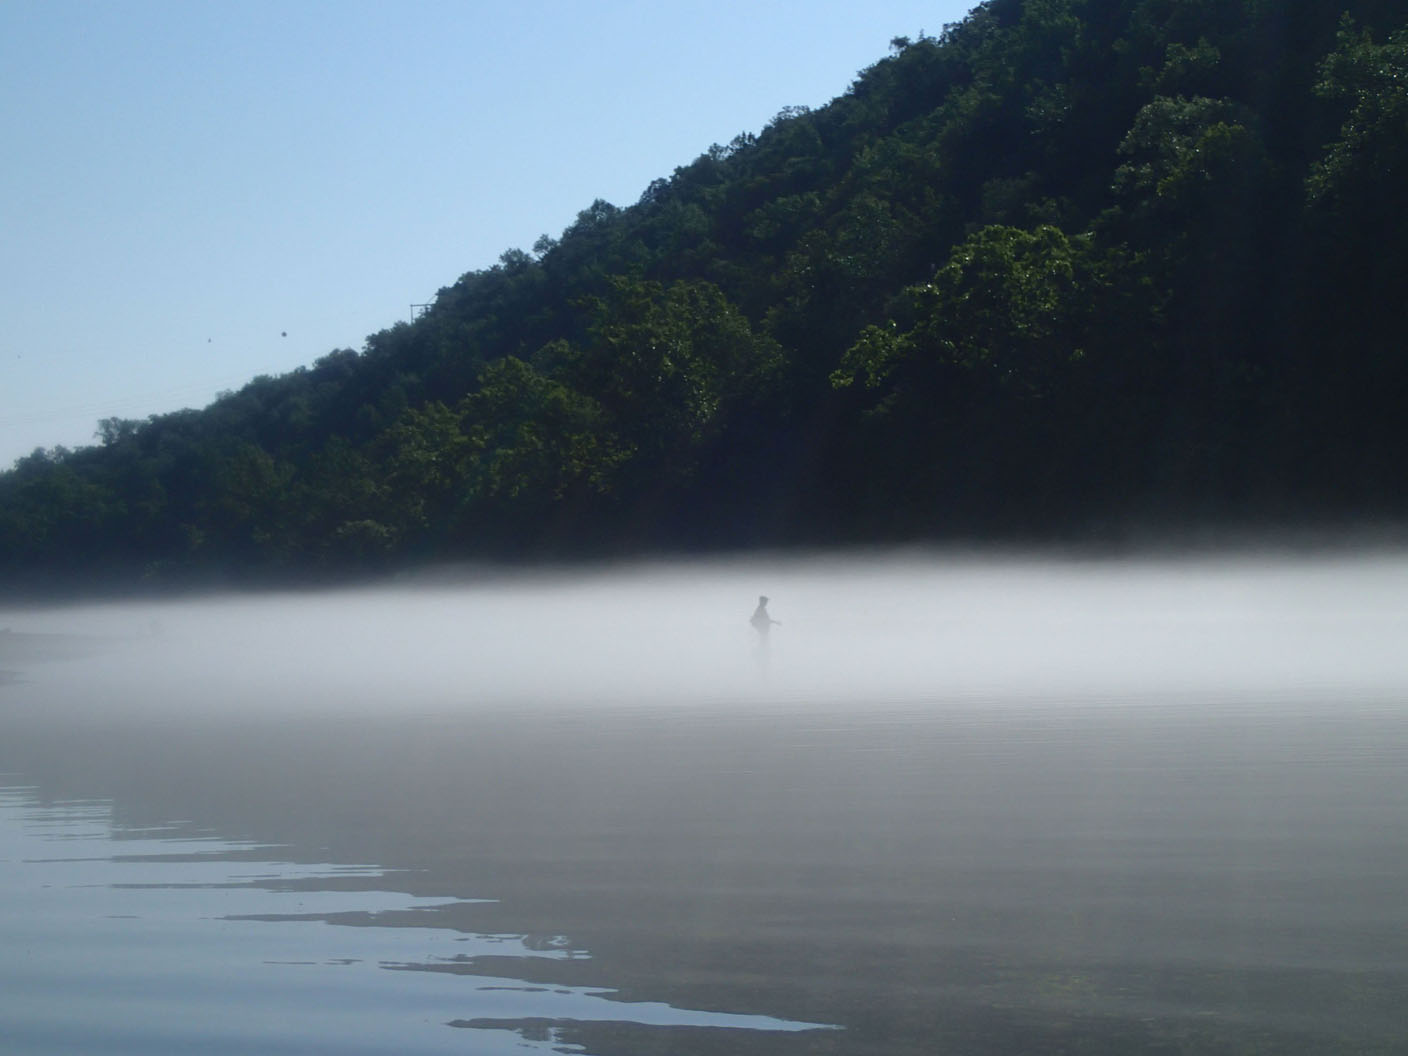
x: 856, y: 631
x: 950, y: 804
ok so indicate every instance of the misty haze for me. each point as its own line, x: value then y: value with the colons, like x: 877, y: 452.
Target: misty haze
x: 949, y: 803
x: 856, y: 634
x: 655, y: 529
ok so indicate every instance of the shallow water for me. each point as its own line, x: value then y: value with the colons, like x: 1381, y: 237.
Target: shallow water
x: 124, y: 940
x: 961, y: 807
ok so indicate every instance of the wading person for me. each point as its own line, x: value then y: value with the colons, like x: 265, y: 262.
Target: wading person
x: 761, y: 621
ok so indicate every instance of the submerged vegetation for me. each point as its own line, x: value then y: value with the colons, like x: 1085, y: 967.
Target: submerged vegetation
x: 1068, y: 265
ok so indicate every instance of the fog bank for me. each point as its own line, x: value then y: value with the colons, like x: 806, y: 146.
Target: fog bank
x: 854, y: 631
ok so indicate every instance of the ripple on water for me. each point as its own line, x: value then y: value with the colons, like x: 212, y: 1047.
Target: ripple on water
x: 169, y: 941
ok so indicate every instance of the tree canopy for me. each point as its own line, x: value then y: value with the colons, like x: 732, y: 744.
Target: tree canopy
x: 1067, y: 266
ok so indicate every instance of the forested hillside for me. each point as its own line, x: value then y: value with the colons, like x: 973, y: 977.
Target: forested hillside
x: 1069, y: 266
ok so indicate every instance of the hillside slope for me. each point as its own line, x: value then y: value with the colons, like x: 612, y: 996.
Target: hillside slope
x: 1070, y: 265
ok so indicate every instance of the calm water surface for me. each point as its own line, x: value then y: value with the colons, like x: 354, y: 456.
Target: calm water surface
x: 149, y: 940
x: 964, y: 810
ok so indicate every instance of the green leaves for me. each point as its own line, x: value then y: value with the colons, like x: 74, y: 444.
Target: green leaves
x: 1181, y: 149
x: 535, y: 440
x: 670, y: 364
x: 1370, y: 157
x: 1008, y: 311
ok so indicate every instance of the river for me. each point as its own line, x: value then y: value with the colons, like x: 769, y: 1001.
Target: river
x: 961, y: 805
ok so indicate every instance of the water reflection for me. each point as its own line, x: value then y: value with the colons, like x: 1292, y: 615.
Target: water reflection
x: 168, y: 941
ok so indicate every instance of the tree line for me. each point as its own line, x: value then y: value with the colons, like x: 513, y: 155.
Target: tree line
x: 1068, y: 266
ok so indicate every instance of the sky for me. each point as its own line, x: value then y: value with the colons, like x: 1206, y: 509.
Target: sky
x: 196, y: 194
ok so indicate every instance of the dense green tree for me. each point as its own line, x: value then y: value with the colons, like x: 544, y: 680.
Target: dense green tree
x: 1361, y: 182
x: 670, y: 365
x: 987, y: 375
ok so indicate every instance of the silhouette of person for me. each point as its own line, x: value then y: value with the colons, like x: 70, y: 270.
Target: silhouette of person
x: 761, y: 621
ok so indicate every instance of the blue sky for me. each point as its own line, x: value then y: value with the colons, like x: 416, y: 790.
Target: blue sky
x: 187, y: 182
